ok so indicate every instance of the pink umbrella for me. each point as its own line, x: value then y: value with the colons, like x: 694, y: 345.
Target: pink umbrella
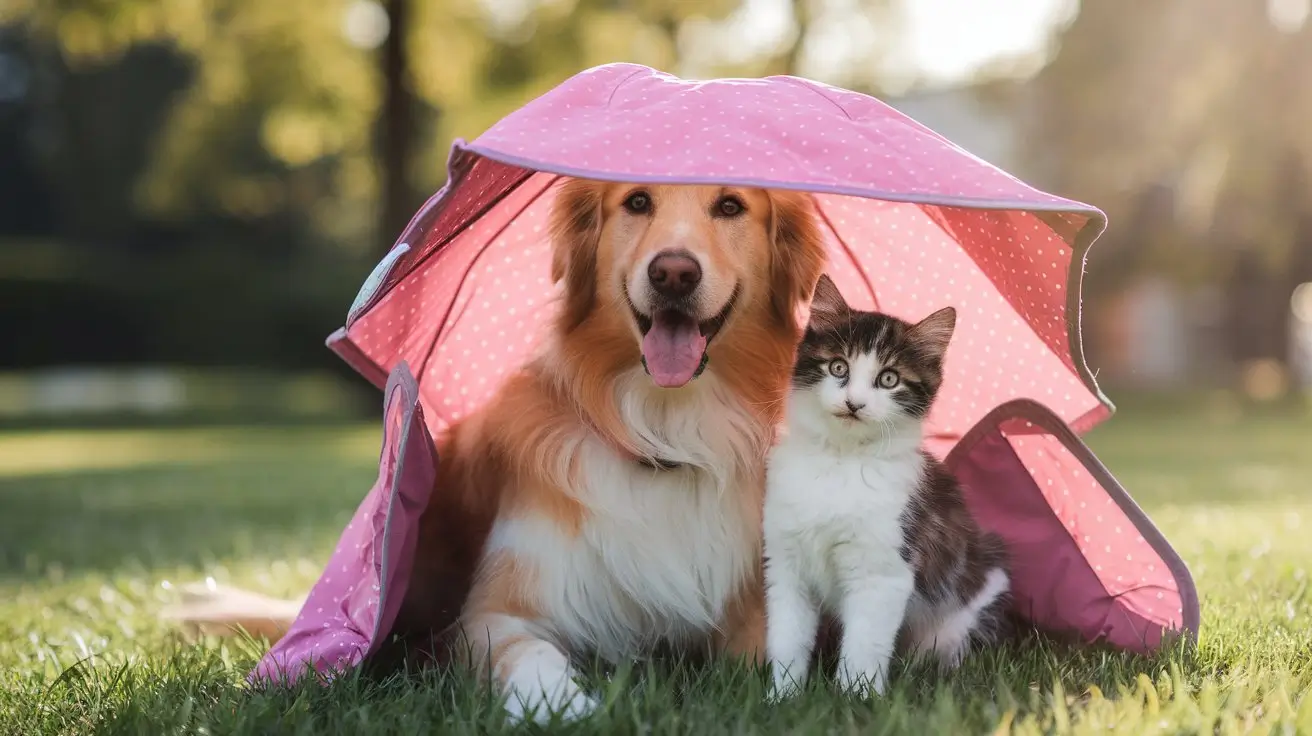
x: 913, y: 223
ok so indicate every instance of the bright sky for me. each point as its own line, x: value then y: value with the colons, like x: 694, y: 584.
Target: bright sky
x: 949, y: 38
x: 940, y: 41
x: 943, y: 41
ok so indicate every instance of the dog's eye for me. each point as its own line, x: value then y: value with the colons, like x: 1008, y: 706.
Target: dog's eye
x: 838, y: 367
x: 729, y: 207
x: 888, y: 378
x: 638, y: 203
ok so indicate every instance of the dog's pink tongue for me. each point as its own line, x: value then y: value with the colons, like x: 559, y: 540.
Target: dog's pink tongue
x: 673, y: 348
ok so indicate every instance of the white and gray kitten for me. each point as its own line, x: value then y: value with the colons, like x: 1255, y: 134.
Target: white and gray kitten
x: 860, y: 522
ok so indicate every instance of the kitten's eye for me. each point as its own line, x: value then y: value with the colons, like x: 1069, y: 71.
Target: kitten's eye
x: 638, y: 203
x: 888, y: 378
x: 729, y: 206
x: 838, y: 368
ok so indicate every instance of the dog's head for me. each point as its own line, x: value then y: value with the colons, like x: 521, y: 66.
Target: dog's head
x: 677, y: 268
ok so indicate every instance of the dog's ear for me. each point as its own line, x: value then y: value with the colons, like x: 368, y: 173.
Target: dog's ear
x: 797, y: 253
x: 575, y: 234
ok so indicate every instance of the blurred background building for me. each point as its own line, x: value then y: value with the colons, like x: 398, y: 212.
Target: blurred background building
x: 191, y: 191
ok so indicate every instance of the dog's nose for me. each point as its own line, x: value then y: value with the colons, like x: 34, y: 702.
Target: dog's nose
x: 854, y: 408
x: 674, y: 275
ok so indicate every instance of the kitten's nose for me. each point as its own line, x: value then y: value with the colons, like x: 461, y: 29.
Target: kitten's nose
x: 854, y: 408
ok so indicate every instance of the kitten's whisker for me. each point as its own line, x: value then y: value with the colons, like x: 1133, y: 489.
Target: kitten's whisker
x: 886, y: 425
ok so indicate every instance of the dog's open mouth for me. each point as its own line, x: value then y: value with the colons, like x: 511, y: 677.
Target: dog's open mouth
x: 674, y: 344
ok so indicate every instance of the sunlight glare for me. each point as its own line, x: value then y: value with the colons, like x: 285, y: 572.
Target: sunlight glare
x: 365, y: 24
x: 1288, y: 16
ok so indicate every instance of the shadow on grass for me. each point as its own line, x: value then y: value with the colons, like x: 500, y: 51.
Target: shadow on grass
x: 164, y: 516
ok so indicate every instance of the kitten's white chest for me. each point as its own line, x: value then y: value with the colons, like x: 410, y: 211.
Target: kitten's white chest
x: 837, y: 516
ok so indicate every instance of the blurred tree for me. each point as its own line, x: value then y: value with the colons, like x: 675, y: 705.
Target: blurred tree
x: 271, y: 125
x: 286, y: 95
x: 1202, y: 102
x: 396, y: 130
x: 1203, y: 97
x: 26, y: 202
x: 267, y: 148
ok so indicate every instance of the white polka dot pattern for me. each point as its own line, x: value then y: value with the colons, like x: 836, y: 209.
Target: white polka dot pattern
x: 1128, y: 568
x: 358, y: 595
x: 473, y: 311
x: 473, y: 183
x: 631, y: 122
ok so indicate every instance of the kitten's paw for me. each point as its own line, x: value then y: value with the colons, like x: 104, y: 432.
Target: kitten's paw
x: 568, y: 703
x: 861, y: 683
x: 785, y: 683
x: 780, y: 691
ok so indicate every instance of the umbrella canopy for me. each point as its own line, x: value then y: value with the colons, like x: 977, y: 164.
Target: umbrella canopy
x: 912, y: 223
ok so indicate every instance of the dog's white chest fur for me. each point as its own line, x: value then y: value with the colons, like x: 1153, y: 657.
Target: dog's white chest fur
x: 837, y: 517
x: 660, y: 552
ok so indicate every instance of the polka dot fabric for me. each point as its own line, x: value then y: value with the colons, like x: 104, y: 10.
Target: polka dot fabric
x: 1128, y: 568
x: 473, y: 183
x: 629, y: 122
x: 474, y: 310
x: 912, y: 223
x: 354, y: 603
x: 1085, y: 560
x: 1027, y: 260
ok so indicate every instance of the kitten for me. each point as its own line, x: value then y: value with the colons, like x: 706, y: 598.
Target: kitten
x: 860, y: 522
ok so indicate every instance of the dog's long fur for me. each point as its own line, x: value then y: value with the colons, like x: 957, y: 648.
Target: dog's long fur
x: 585, y: 510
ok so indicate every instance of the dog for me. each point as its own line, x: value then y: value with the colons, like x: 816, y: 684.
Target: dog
x: 608, y: 499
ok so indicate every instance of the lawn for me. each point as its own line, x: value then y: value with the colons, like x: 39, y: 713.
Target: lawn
x: 97, y: 527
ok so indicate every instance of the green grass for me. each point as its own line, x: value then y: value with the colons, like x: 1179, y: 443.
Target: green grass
x: 96, y: 526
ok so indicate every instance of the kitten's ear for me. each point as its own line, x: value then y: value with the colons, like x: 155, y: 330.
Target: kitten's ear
x: 827, y: 304
x: 935, y: 331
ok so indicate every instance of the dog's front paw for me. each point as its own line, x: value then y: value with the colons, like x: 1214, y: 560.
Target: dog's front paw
x: 567, y: 702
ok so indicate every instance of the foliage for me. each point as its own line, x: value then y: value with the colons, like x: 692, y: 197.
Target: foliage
x: 277, y: 115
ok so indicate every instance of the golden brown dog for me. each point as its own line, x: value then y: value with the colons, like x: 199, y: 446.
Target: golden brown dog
x: 608, y: 499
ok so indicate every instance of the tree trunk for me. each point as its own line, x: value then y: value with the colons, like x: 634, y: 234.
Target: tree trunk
x: 396, y: 128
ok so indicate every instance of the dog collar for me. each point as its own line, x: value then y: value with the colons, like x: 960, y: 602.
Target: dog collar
x: 706, y: 358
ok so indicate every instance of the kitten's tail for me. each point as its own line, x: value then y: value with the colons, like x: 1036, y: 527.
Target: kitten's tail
x: 998, y: 621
